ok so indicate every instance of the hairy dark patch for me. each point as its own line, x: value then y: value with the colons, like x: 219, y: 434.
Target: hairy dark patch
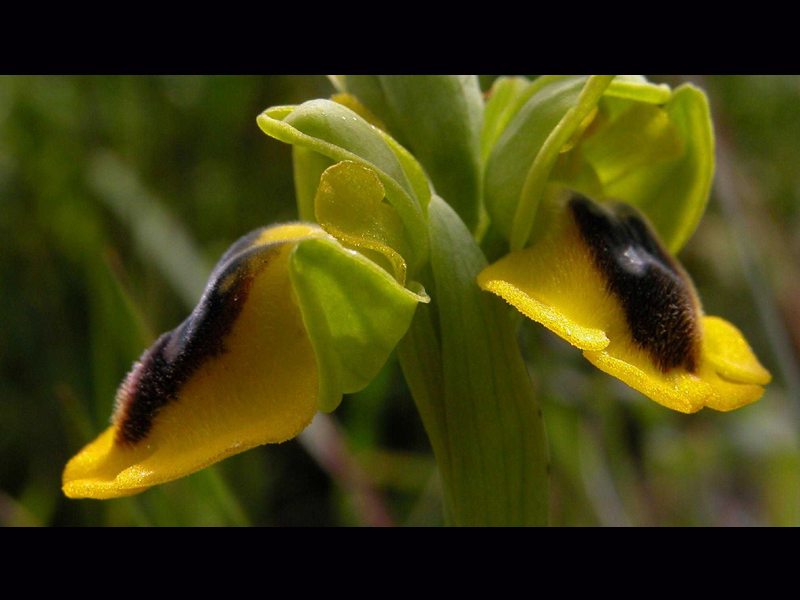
x: 656, y: 295
x: 164, y: 368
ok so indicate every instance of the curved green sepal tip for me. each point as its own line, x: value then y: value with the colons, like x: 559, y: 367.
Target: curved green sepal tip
x: 336, y: 132
x: 637, y: 88
x: 354, y: 311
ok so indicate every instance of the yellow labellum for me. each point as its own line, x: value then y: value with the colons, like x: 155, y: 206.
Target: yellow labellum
x: 239, y: 372
x: 601, y: 280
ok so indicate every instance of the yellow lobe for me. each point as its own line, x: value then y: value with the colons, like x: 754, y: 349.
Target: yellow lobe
x: 730, y: 354
x: 262, y: 388
x: 726, y: 395
x: 737, y: 375
x: 289, y: 232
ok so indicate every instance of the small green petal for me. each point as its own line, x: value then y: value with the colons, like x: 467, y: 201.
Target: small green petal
x: 349, y: 205
x: 521, y: 142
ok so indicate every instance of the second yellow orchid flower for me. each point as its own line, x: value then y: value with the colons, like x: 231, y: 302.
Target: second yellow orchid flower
x: 602, y: 280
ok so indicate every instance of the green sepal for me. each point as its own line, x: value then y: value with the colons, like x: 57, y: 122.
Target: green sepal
x: 481, y: 413
x: 521, y: 160
x: 336, y: 132
x: 659, y: 158
x: 439, y: 119
x: 628, y: 140
x: 354, y: 311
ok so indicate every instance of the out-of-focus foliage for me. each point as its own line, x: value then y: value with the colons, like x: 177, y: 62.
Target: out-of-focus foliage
x: 118, y: 194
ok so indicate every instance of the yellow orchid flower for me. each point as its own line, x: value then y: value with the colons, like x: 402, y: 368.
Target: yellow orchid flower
x: 602, y: 280
x: 598, y: 273
x: 290, y: 320
x: 293, y: 316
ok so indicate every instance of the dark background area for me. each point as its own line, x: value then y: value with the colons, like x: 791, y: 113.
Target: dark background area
x: 117, y: 194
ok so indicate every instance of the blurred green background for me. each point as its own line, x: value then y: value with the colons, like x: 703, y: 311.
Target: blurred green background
x: 117, y: 194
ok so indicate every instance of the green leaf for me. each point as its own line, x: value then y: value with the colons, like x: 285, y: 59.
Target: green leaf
x: 485, y: 423
x: 354, y: 311
x: 439, y: 119
x: 338, y: 133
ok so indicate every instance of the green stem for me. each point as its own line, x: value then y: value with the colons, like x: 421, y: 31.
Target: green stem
x: 463, y: 365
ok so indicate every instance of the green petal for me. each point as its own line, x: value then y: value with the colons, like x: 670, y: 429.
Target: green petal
x: 521, y: 144
x: 349, y: 205
x: 417, y: 177
x: 438, y: 118
x: 354, y: 311
x: 334, y: 131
